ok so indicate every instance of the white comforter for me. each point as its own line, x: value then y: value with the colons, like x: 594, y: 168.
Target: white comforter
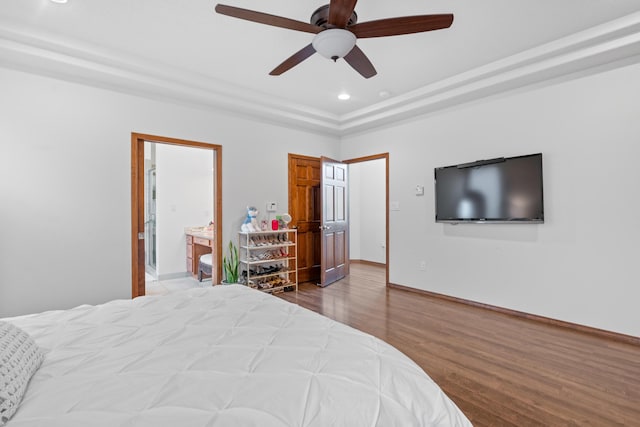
x: 224, y: 356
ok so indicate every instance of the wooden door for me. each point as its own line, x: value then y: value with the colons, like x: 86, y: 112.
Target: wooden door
x: 304, y: 208
x: 334, y: 262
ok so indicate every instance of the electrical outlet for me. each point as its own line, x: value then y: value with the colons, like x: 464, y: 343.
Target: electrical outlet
x: 423, y: 265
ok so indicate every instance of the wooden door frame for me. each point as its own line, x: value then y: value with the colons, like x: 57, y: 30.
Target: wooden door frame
x: 137, y: 203
x: 385, y: 157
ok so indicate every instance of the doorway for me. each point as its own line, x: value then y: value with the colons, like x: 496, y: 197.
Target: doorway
x: 370, y: 243
x: 145, y: 234
x: 306, y: 210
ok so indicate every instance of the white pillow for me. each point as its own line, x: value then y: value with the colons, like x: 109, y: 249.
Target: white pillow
x: 20, y: 358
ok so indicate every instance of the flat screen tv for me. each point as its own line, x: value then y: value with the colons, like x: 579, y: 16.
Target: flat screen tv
x: 502, y: 190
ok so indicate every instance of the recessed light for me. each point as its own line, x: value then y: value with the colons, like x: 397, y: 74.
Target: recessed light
x: 59, y: 1
x: 384, y: 94
x: 344, y: 96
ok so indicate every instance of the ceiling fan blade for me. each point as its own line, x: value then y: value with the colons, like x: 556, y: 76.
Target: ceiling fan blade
x: 265, y: 18
x: 293, y: 60
x: 340, y: 11
x: 401, y: 25
x: 359, y: 61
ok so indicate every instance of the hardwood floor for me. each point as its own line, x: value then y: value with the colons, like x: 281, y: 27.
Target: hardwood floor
x: 500, y: 370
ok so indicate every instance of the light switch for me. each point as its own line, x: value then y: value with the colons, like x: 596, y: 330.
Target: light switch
x: 272, y: 207
x: 419, y: 190
x: 394, y: 206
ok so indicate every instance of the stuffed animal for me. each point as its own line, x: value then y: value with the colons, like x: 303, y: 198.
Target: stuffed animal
x: 250, y: 223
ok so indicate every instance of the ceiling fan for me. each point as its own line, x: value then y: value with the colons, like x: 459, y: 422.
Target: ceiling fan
x: 336, y: 30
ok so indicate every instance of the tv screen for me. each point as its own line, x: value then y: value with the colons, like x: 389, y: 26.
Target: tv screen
x: 503, y: 190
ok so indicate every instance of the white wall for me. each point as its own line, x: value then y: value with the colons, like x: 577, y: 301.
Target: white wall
x: 65, y: 193
x: 367, y: 205
x: 65, y: 186
x: 184, y: 187
x: 581, y: 265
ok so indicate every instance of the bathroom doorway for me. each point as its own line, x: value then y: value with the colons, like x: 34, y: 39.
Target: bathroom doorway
x: 186, y: 202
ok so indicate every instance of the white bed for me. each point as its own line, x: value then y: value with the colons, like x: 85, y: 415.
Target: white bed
x: 223, y: 356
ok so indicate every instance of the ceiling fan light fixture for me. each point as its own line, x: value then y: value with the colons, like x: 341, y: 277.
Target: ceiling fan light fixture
x: 334, y: 43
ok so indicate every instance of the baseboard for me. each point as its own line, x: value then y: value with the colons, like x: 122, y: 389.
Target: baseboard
x: 362, y: 261
x: 630, y: 339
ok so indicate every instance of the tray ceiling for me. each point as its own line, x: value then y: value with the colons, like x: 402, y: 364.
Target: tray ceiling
x: 183, y: 50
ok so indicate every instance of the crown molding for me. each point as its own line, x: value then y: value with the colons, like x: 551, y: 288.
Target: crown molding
x: 607, y: 46
x: 72, y: 61
x: 610, y: 45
